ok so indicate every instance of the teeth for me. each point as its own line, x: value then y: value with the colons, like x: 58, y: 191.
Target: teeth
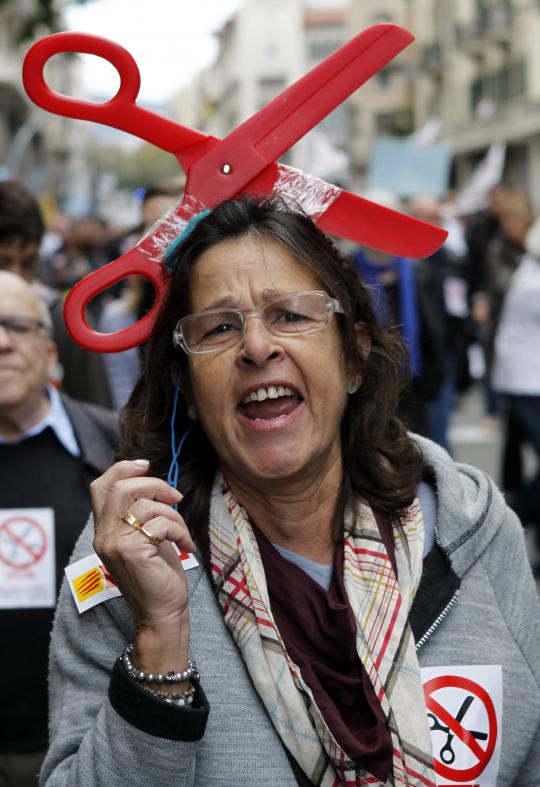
x: 272, y: 392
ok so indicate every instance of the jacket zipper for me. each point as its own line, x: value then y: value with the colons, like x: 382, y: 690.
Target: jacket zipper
x: 438, y: 620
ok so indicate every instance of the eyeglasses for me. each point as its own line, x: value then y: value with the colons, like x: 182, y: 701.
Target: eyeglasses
x: 22, y: 328
x: 218, y: 329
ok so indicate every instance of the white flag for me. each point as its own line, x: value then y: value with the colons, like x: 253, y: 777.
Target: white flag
x: 488, y: 174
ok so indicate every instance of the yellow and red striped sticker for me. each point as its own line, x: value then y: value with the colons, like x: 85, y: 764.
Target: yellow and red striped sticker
x: 90, y: 582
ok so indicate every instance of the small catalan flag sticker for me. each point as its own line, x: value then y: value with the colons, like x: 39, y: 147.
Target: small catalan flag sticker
x: 90, y: 582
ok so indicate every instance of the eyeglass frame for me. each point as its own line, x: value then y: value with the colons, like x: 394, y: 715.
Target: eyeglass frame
x: 7, y: 324
x: 333, y: 306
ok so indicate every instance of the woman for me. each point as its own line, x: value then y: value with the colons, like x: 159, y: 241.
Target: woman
x: 300, y: 494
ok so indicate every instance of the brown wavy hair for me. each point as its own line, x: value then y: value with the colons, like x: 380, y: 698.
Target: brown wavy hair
x: 381, y: 463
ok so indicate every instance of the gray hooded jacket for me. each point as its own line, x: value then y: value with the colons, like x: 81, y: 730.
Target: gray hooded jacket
x: 476, y: 605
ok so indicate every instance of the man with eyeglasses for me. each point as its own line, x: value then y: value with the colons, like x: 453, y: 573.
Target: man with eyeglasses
x: 82, y: 373
x: 51, y: 448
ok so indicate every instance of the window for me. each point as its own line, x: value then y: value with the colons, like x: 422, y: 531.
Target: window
x: 500, y: 86
x: 268, y: 88
x: 395, y: 124
x: 320, y: 48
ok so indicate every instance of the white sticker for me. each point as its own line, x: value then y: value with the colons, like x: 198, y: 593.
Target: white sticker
x: 464, y: 707
x: 456, y: 296
x: 27, y: 558
x: 91, y: 584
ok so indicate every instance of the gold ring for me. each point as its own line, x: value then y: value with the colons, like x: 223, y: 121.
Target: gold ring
x: 153, y: 539
x: 132, y: 520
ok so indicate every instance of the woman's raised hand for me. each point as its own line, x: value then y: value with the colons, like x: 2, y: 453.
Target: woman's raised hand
x: 150, y: 575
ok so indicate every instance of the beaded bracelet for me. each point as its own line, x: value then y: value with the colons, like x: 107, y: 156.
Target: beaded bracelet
x: 185, y: 699
x: 191, y: 673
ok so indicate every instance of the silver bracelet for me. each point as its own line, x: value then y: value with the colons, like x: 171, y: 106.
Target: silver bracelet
x: 185, y: 699
x: 191, y: 673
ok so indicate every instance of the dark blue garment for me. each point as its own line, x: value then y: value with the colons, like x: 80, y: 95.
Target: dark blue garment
x: 409, y: 318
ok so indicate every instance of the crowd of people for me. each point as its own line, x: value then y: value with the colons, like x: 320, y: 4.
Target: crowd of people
x: 369, y: 392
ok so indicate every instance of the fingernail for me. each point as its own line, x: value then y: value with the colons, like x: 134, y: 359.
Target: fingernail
x: 141, y: 462
x: 181, y: 495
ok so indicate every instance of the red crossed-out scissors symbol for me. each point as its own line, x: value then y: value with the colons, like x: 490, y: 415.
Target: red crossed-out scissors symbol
x: 441, y: 719
x: 243, y: 162
x: 447, y: 754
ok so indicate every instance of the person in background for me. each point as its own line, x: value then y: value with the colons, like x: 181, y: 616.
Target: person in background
x: 79, y: 373
x: 480, y: 230
x: 407, y: 295
x: 81, y: 253
x: 451, y: 269
x: 136, y: 298
x: 496, y: 241
x: 513, y: 210
x: 516, y: 373
x: 51, y: 448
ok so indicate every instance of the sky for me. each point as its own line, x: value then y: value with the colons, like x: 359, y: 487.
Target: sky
x: 171, y: 40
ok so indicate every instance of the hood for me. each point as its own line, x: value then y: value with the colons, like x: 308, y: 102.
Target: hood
x: 470, y: 508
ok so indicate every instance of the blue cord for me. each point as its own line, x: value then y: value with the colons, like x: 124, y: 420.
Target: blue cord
x: 174, y: 467
x: 188, y: 229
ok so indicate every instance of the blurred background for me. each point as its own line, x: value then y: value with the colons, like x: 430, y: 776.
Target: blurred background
x: 449, y: 131
x: 472, y: 77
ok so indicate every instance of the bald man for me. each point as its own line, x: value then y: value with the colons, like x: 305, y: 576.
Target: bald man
x: 51, y: 448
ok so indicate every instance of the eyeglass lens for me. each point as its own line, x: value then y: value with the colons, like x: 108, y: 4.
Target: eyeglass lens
x: 298, y: 313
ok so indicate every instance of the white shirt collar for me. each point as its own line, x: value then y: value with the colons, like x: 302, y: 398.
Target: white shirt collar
x: 59, y: 421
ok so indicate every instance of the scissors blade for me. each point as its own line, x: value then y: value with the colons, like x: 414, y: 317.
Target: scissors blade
x: 274, y: 129
x: 305, y: 103
x: 362, y: 221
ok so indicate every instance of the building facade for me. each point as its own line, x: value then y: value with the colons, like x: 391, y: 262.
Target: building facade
x: 474, y: 67
x: 265, y: 47
x: 383, y: 106
x: 479, y: 72
x: 47, y: 152
x: 20, y: 136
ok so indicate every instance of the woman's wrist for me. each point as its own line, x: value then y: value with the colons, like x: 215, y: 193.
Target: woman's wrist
x: 163, y: 649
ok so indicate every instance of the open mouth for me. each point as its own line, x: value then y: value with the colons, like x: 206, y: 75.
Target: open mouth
x: 269, y: 402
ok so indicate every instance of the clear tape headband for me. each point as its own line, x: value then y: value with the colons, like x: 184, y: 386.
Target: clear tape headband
x: 298, y: 190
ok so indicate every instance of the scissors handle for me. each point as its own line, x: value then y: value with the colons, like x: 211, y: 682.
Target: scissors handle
x: 133, y: 262
x: 447, y: 754
x: 121, y: 111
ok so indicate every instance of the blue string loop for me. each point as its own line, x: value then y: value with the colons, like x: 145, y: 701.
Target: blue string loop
x: 174, y: 467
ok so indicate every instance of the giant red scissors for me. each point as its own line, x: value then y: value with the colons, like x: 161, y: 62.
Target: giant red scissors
x: 243, y: 162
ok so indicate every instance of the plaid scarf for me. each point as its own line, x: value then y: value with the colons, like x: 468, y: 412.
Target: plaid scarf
x: 385, y: 642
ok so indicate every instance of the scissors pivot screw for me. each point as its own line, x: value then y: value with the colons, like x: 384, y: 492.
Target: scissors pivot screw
x: 226, y: 169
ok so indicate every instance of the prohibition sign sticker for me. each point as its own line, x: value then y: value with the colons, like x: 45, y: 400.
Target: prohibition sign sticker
x: 464, y: 715
x: 23, y: 541
x: 27, y: 558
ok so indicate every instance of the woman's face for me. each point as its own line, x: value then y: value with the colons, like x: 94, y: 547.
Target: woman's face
x: 277, y: 438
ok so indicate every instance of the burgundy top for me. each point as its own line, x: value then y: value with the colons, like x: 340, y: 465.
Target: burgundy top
x: 319, y: 631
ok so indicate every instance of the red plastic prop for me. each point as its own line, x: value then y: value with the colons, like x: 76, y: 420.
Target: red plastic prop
x: 243, y: 162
